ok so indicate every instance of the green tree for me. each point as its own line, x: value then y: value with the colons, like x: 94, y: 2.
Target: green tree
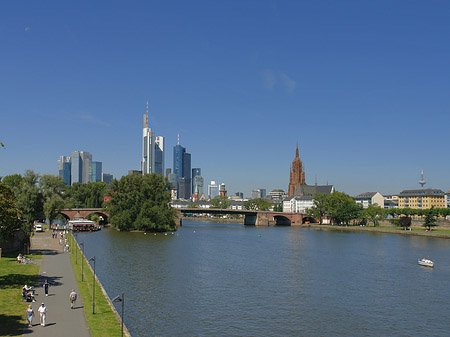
x: 15, y: 182
x: 88, y: 195
x: 319, y: 210
x: 9, y: 212
x: 278, y: 208
x: 220, y: 202
x: 52, y: 188
x: 257, y: 204
x: 373, y: 213
x: 430, y: 220
x: 29, y: 199
x: 141, y: 202
x: 341, y: 208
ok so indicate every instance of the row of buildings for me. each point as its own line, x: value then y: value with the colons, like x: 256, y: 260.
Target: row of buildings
x: 80, y: 168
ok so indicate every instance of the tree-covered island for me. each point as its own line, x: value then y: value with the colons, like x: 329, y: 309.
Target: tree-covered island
x: 141, y: 202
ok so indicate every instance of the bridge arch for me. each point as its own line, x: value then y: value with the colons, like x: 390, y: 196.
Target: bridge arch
x: 281, y: 220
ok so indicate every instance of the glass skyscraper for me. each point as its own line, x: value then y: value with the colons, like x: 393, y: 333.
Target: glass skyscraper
x: 65, y: 169
x: 96, y: 171
x: 182, y: 168
x: 152, y: 150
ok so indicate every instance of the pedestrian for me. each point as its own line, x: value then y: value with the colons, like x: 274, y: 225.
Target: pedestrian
x: 42, y: 314
x: 72, y: 298
x: 30, y: 314
x: 46, y: 285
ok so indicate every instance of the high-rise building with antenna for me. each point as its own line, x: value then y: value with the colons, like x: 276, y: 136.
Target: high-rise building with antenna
x: 152, y: 149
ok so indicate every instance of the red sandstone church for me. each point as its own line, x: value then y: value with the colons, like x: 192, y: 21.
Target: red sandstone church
x: 297, y: 183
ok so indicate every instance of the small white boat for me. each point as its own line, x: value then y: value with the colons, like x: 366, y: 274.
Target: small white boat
x: 426, y: 262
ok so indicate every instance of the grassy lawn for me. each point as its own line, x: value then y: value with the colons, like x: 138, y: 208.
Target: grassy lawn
x: 104, y: 321
x: 13, y: 277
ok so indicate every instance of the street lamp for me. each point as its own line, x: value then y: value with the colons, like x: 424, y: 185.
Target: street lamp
x: 93, y: 287
x: 120, y: 298
x: 76, y: 250
x: 82, y: 279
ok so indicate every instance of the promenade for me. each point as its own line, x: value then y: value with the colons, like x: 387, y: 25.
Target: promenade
x: 57, y: 269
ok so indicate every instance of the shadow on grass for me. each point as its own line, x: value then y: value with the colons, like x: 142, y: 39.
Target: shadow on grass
x: 11, y: 325
x: 19, y: 280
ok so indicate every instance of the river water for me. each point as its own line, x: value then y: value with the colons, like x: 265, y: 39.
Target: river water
x: 210, y: 279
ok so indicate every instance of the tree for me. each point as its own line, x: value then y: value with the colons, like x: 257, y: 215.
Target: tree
x: 9, y: 212
x: 141, y: 202
x: 88, y: 195
x: 341, y: 208
x: 29, y: 199
x: 430, y: 220
x: 373, y: 213
x: 220, y: 202
x: 319, y: 210
x: 257, y: 204
x: 278, y: 208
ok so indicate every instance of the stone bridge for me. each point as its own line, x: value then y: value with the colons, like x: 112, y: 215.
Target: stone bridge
x: 253, y: 218
x: 82, y: 213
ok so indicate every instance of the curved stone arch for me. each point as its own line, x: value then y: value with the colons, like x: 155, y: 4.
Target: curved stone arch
x: 64, y: 214
x: 102, y: 214
x: 281, y: 220
x: 308, y: 219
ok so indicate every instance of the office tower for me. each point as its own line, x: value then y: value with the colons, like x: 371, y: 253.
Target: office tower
x: 81, y: 170
x: 96, y: 171
x: 107, y: 178
x: 195, y: 172
x: 182, y: 168
x: 213, y: 190
x: 148, y: 147
x: 239, y: 194
x: 259, y: 193
x: 86, y: 157
x: 159, y: 155
x: 130, y: 172
x: 197, y: 182
x: 77, y: 168
x: 168, y: 171
x: 65, y: 169
x: 173, y: 180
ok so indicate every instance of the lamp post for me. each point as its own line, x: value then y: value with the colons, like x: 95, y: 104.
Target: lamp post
x: 82, y: 279
x: 93, y: 287
x: 120, y: 298
x: 76, y: 250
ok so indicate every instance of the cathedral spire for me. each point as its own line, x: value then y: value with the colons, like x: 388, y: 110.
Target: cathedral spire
x: 296, y: 152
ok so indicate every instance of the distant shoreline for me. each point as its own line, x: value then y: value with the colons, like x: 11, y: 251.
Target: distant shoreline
x: 337, y: 228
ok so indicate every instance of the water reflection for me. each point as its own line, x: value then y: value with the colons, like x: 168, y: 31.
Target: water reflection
x: 231, y: 280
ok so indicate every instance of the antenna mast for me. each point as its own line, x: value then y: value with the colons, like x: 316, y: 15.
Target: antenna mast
x: 422, y: 181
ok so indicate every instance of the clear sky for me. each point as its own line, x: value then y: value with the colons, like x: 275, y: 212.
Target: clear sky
x: 362, y: 86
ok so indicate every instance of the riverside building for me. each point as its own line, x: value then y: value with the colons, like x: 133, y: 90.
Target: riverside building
x: 422, y: 199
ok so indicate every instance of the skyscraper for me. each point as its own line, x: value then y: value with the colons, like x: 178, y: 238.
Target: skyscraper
x: 182, y: 168
x: 96, y: 171
x: 148, y: 147
x: 213, y: 190
x: 81, y: 169
x: 65, y: 169
x: 159, y: 155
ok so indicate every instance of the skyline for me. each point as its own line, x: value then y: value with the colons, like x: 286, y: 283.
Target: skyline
x: 362, y: 87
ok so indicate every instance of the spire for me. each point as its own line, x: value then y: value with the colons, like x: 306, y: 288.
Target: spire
x: 178, y: 138
x: 296, y: 151
x: 145, y: 123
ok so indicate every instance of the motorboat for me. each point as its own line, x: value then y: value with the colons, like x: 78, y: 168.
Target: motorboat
x: 426, y: 262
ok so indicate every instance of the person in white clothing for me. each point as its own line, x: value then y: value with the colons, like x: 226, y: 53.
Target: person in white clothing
x: 42, y: 313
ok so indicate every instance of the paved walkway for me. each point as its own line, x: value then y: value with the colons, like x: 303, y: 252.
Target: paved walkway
x: 62, y: 321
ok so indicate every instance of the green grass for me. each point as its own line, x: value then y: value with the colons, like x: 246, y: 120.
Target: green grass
x: 13, y: 277
x: 104, y: 321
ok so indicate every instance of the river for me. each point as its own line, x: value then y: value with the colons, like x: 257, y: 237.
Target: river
x: 210, y: 279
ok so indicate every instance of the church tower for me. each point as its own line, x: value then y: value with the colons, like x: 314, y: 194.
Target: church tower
x: 297, y: 174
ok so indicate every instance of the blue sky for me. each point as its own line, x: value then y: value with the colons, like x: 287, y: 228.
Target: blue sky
x: 362, y: 86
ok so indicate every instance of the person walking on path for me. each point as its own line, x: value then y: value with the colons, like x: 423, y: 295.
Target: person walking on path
x: 46, y: 285
x: 42, y: 314
x: 30, y: 314
x: 72, y: 298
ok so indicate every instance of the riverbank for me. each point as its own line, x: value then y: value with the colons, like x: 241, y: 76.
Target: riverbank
x: 378, y: 230
x: 106, y: 321
x: 218, y: 220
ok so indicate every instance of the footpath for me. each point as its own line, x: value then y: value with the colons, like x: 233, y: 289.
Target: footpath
x: 57, y: 269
